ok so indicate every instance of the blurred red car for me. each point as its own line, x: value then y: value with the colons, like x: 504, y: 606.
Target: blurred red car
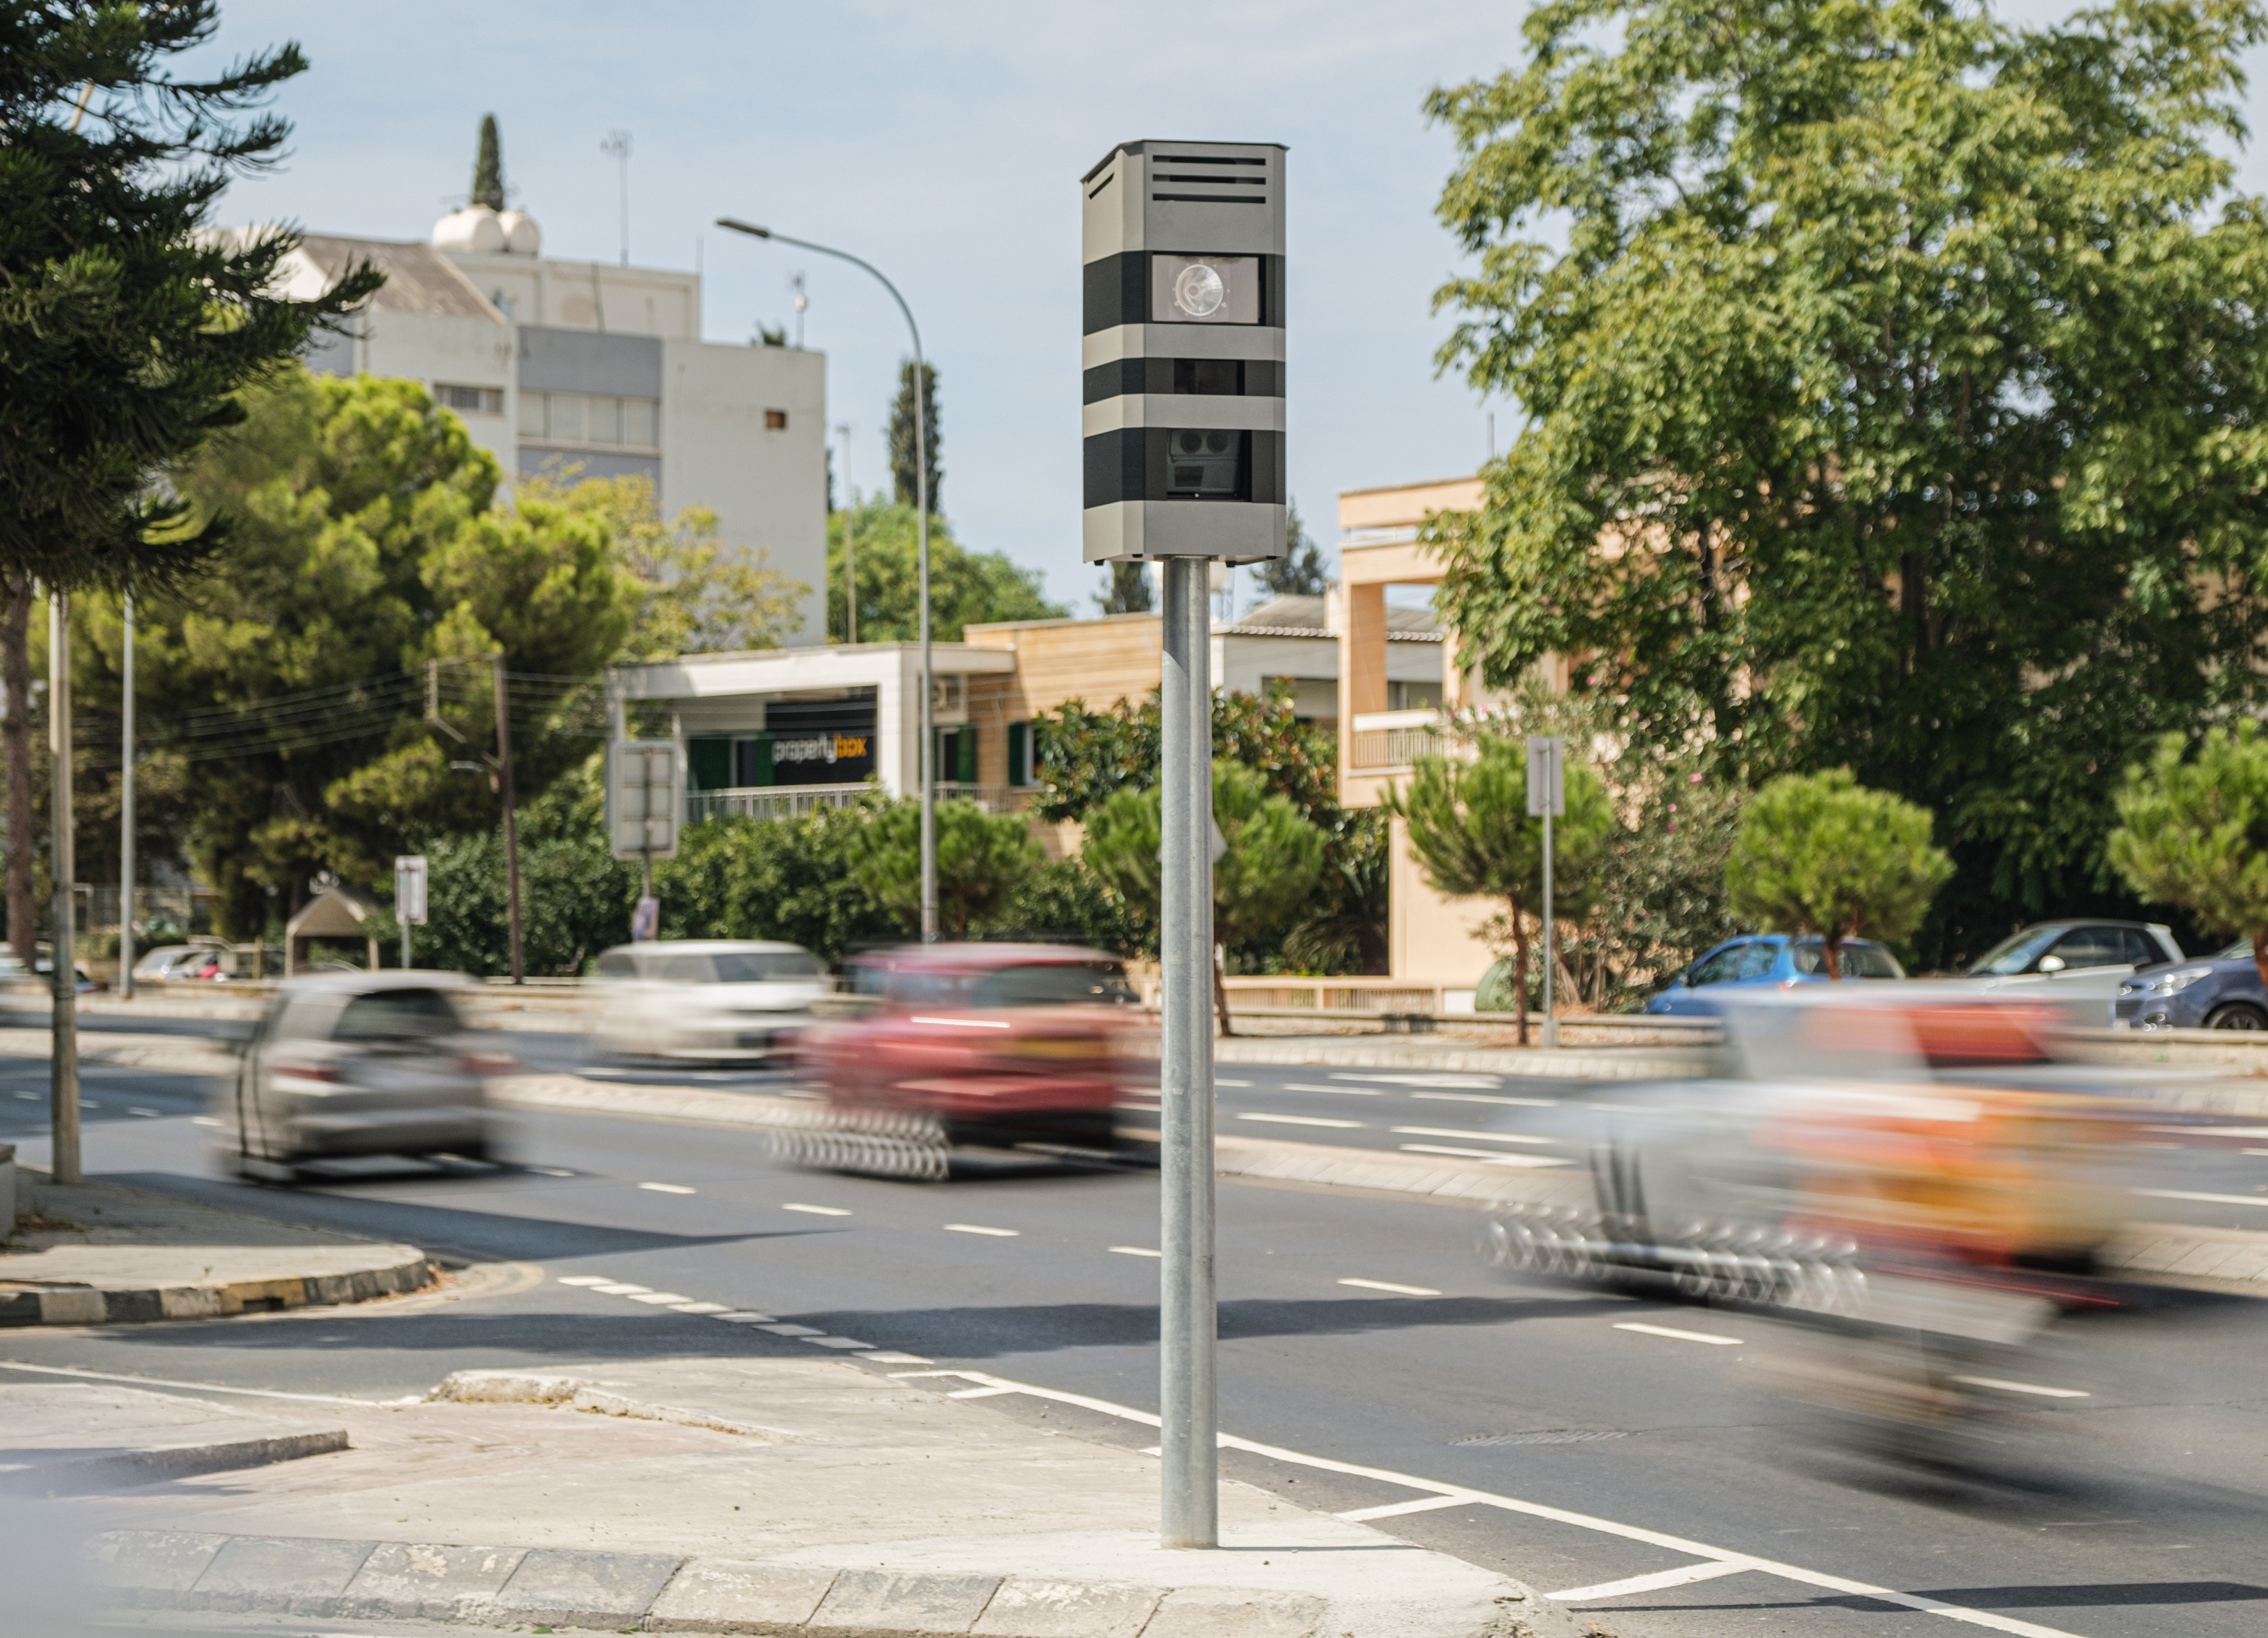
x: 970, y: 1045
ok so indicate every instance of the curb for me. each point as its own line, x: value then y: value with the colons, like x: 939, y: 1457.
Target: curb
x: 500, y: 1586
x: 94, y: 1305
x: 160, y: 1462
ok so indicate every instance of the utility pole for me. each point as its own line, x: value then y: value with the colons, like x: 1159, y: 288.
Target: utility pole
x: 1547, y: 797
x: 126, y: 815
x: 510, y: 818
x: 63, y: 1069
x: 850, y: 543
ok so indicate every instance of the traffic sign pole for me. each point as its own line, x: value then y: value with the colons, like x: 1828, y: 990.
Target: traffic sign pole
x: 1547, y: 797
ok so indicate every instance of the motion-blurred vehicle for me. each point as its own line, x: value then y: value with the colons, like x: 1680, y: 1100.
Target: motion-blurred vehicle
x: 2221, y: 991
x: 719, y: 1001
x: 2076, y: 961
x: 969, y: 1046
x: 156, y: 967
x: 1774, y: 958
x: 356, y: 1064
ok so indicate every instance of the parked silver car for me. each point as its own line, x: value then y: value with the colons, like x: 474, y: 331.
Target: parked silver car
x: 2076, y: 961
x: 715, y: 1000
x: 347, y: 1064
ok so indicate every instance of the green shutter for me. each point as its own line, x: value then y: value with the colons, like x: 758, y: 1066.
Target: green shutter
x: 1019, y: 754
x: 708, y: 759
x: 763, y: 772
x: 965, y: 743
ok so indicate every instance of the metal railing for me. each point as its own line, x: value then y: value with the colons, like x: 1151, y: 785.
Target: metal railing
x: 773, y: 802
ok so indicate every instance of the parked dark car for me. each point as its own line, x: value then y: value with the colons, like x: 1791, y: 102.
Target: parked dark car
x: 1768, y: 958
x: 2221, y: 991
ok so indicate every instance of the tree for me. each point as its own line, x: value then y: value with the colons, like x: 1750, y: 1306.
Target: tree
x: 1129, y: 593
x: 1892, y: 381
x: 1300, y: 571
x: 1065, y: 899
x: 1819, y: 853
x: 903, y: 461
x: 488, y: 167
x: 692, y: 593
x: 982, y: 860
x: 1085, y: 755
x: 126, y: 327
x: 2193, y: 832
x: 371, y: 577
x: 966, y: 588
x: 1269, y: 867
x: 1473, y: 837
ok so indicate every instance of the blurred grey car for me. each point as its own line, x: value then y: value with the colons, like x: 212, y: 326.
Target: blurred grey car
x: 708, y: 1000
x: 353, y: 1064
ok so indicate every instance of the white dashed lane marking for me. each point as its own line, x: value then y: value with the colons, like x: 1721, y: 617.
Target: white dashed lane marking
x: 1135, y: 1250
x: 1676, y: 1335
x: 1473, y: 1137
x: 1388, y: 1285
x: 1485, y: 1098
x: 1301, y: 1121
x: 666, y: 1188
x: 1337, y: 1092
x: 586, y: 1279
x: 816, y: 1211
x: 978, y: 1228
x: 2033, y: 1388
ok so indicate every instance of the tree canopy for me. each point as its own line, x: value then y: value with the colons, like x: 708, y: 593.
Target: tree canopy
x: 1894, y: 384
x: 966, y: 588
x: 487, y: 166
x: 982, y: 860
x: 2193, y: 832
x: 1819, y: 853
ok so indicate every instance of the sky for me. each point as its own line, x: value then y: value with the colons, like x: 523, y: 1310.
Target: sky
x: 943, y: 144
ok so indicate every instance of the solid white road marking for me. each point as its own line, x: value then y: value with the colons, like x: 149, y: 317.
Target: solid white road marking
x: 816, y: 1211
x: 1396, y: 1510
x: 1671, y: 1332
x: 1301, y: 1121
x: 1336, y: 1091
x: 696, y: 1308
x: 1135, y: 1250
x: 1489, y: 1155
x: 201, y: 1387
x: 2211, y: 1199
x: 1684, y: 1576
x: 980, y: 1393
x: 660, y: 1298
x: 1388, y: 1285
x: 891, y: 1356
x: 620, y: 1289
x: 1471, y: 1083
x: 1478, y: 1137
x: 666, y: 1188
x: 978, y: 1228
x: 1477, y: 1098
x: 836, y: 1342
x: 149, y: 1114
x: 2025, y: 1387
x: 1537, y: 1510
x: 586, y: 1279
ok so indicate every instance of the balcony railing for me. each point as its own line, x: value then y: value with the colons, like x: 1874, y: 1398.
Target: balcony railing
x: 1384, y: 739
x: 772, y: 802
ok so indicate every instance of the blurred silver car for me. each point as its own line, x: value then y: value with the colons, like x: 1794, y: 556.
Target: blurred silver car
x: 732, y: 1001
x: 358, y: 1063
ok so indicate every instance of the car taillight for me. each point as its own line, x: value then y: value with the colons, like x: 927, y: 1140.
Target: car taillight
x: 486, y: 1063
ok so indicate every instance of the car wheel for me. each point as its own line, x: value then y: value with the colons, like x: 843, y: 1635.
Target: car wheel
x: 2237, y: 1015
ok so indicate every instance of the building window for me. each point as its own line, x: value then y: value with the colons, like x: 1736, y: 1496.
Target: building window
x: 1019, y: 754
x: 469, y: 400
x: 594, y: 419
x: 775, y: 420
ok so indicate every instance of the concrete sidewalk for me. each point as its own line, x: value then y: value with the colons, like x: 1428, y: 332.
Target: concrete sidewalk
x: 100, y: 1253
x: 750, y: 1494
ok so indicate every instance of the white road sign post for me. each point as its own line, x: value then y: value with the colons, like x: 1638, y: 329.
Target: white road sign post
x: 409, y: 896
x: 642, y: 815
x: 1547, y: 797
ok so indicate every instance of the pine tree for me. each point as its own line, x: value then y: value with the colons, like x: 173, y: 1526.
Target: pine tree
x: 488, y: 169
x: 901, y: 437
x: 1129, y: 591
x: 1300, y: 572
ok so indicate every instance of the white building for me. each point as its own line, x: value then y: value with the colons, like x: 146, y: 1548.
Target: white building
x: 560, y: 364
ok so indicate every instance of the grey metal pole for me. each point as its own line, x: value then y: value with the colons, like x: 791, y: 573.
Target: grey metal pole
x: 510, y: 817
x: 126, y: 872
x: 925, y: 764
x: 1188, y: 1510
x: 63, y: 1069
x: 1550, y: 1017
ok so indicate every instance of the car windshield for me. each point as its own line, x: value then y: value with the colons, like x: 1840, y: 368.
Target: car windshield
x: 396, y: 1015
x: 2014, y: 953
x: 2241, y: 950
x: 1051, y: 984
x: 1858, y: 960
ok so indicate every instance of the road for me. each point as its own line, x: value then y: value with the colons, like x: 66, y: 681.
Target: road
x: 1356, y: 1332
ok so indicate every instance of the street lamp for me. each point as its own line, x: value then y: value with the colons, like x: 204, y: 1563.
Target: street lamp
x: 926, y: 751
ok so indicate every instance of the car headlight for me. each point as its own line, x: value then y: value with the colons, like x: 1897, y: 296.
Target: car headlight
x: 2177, y: 980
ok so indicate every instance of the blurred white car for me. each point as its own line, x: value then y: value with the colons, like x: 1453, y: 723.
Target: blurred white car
x: 358, y: 1063
x: 719, y: 1000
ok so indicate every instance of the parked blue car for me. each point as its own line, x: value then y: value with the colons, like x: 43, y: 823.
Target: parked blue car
x: 1767, y: 959
x: 2220, y: 991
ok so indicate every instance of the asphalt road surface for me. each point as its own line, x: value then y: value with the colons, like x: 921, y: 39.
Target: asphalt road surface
x: 1570, y: 1437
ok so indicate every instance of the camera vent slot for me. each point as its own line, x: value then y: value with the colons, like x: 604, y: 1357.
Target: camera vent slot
x: 1104, y: 183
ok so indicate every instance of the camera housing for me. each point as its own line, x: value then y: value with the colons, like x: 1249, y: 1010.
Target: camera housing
x: 1182, y: 357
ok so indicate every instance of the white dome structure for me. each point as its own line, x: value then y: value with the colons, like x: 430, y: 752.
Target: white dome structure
x: 521, y: 236
x: 474, y: 231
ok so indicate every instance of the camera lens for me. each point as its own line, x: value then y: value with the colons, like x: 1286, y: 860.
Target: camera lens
x: 1217, y: 442
x: 1191, y: 443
